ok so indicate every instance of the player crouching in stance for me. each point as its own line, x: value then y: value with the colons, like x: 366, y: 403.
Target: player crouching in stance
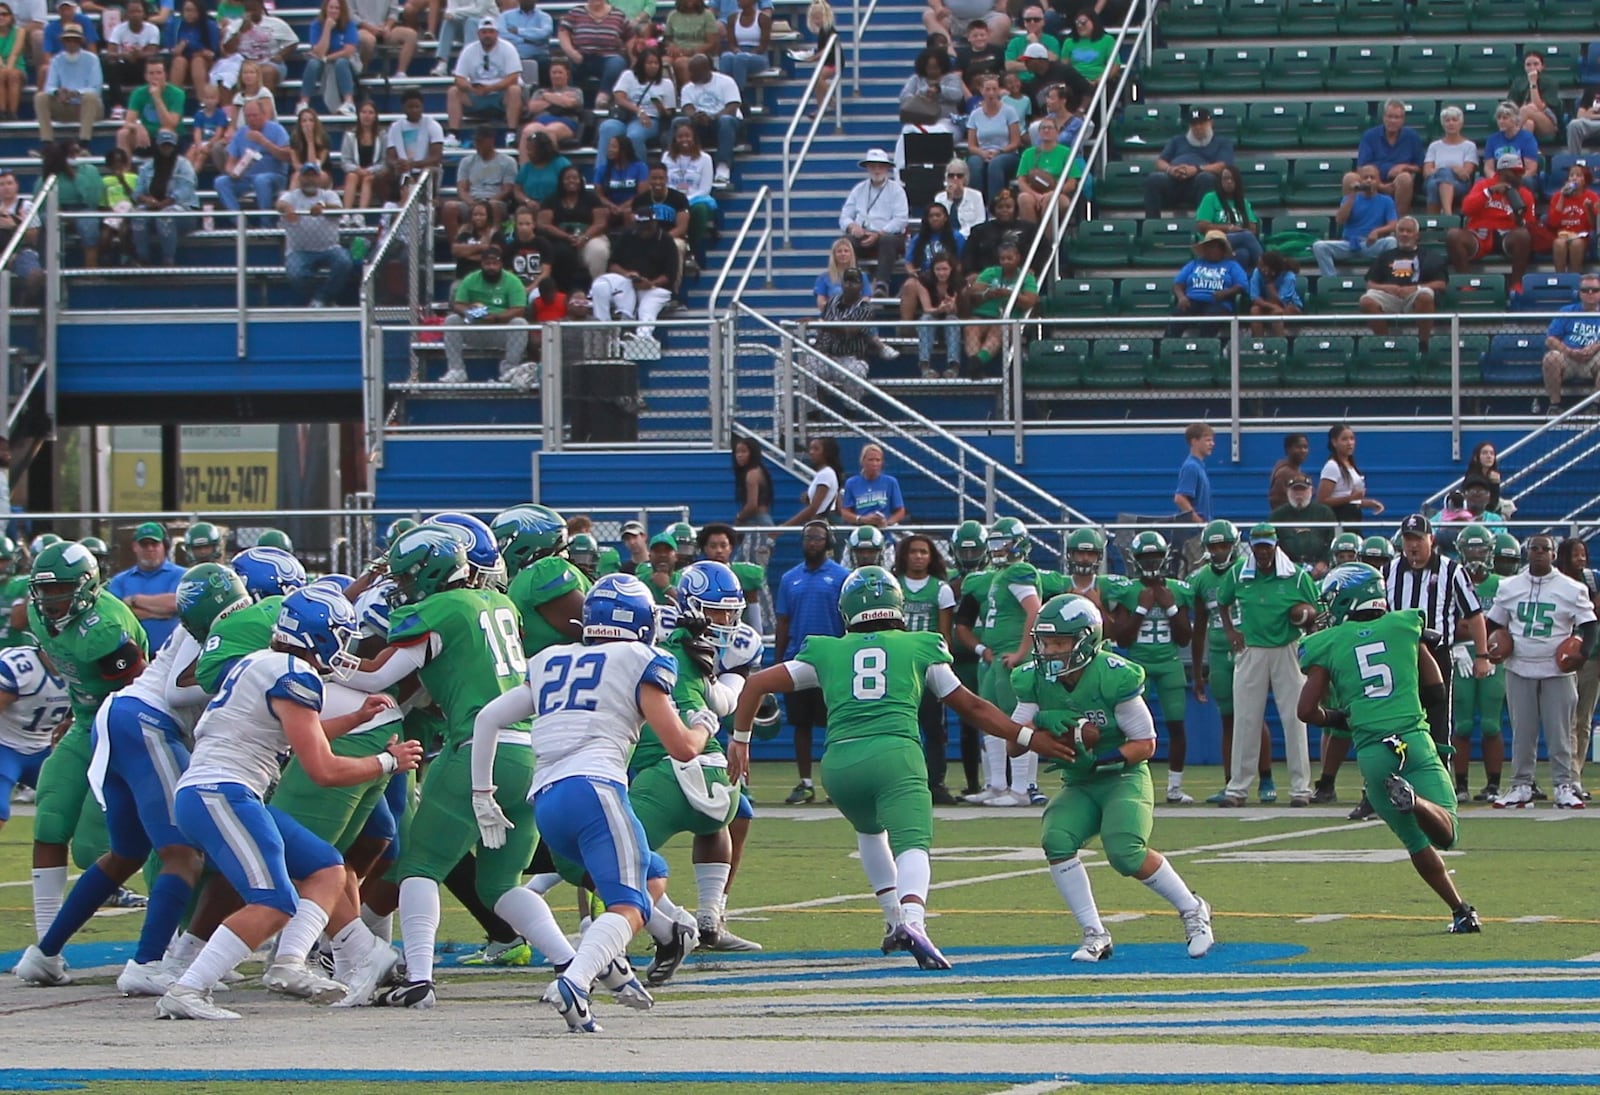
x: 269, y: 705
x: 872, y: 678
x: 1375, y: 663
x: 588, y: 702
x: 1078, y: 690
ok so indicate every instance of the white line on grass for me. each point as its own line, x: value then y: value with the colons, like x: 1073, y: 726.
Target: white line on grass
x: 1042, y: 1087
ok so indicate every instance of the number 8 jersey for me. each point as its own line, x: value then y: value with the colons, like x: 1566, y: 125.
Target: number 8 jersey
x: 473, y: 652
x: 586, y: 715
x: 873, y: 680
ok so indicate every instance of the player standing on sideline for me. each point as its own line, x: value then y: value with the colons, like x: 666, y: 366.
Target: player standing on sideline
x: 873, y: 769
x: 930, y: 605
x: 1073, y: 684
x: 970, y: 550
x: 807, y: 603
x: 1376, y: 663
x: 1473, y: 699
x: 1009, y: 610
x: 588, y: 703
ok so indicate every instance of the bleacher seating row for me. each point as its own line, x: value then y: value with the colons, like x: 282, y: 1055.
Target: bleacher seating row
x: 1376, y: 18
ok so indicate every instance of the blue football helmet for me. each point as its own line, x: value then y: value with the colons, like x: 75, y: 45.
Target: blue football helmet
x: 269, y: 572
x: 710, y: 590
x: 483, y: 554
x: 372, y: 610
x: 319, y: 621
x: 339, y: 582
x: 619, y: 609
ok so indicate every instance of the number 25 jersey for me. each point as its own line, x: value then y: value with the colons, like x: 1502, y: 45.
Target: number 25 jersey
x: 586, y: 714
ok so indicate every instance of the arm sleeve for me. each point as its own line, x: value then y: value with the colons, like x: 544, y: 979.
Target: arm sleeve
x: 802, y: 674
x: 1025, y: 712
x: 1133, y: 719
x: 498, y: 713
x: 947, y: 597
x: 405, y: 661
x: 941, y: 679
x: 120, y: 660
x: 722, y: 694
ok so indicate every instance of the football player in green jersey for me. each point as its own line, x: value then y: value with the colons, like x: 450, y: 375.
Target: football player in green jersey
x: 970, y: 550
x: 13, y: 598
x: 1473, y: 700
x: 864, y: 547
x: 873, y: 678
x: 203, y: 543
x: 275, y: 538
x: 684, y: 546
x: 97, y: 645
x: 1377, y: 552
x: 101, y: 552
x: 1345, y: 547
x: 930, y: 606
x: 546, y: 587
x: 1076, y: 689
x: 1507, y: 555
x: 1086, y: 552
x: 583, y: 552
x: 717, y: 543
x: 1007, y: 633
x: 1374, y: 665
x: 1150, y: 620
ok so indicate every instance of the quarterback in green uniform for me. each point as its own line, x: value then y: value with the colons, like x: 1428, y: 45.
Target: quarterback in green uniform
x: 1371, y: 663
x: 873, y: 678
x: 1473, y: 700
x: 1079, y: 691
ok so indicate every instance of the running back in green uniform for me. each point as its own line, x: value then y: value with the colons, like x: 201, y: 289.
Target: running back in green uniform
x: 241, y: 632
x: 542, y: 581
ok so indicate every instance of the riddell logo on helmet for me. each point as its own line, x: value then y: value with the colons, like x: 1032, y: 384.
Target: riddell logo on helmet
x: 877, y: 614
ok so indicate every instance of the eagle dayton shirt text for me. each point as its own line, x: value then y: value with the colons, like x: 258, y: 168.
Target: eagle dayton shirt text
x: 1577, y: 329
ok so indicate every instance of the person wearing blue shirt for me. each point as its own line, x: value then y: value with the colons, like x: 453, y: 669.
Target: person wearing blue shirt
x: 1396, y: 151
x: 1211, y: 284
x: 806, y: 603
x: 335, y: 40
x: 150, y: 586
x: 70, y: 91
x: 1193, y: 496
x: 258, y: 157
x: 67, y: 12
x: 1510, y: 134
x: 1572, y: 342
x: 872, y: 498
x: 1366, y: 220
x: 530, y: 30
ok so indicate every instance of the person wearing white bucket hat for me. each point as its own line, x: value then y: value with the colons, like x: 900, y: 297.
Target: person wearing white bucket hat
x: 875, y: 215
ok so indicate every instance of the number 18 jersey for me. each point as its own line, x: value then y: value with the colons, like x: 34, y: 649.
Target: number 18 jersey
x: 873, y: 681
x: 474, y: 652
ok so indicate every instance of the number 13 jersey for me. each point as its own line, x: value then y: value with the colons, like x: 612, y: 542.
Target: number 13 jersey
x: 873, y: 680
x: 586, y: 714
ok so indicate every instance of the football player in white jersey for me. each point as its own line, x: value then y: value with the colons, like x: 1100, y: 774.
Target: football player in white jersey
x: 588, y: 702
x: 33, y: 702
x: 269, y: 704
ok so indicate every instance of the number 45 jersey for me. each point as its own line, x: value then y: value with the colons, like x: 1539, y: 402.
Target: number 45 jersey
x: 473, y: 653
x: 586, y: 715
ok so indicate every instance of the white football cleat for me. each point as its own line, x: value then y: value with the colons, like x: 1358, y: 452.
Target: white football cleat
x: 1096, y: 947
x: 1009, y: 798
x: 366, y: 975
x: 1520, y: 797
x: 1177, y: 796
x: 1567, y: 797
x: 146, y: 979
x: 985, y: 796
x: 183, y: 1002
x: 572, y: 1004
x: 624, y: 986
x: 1197, y: 928
x: 292, y: 977
x: 37, y: 968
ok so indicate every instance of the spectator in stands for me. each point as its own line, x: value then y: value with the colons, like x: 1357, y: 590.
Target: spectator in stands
x: 821, y: 496
x: 487, y: 175
x: 1210, y: 284
x: 594, y: 38
x: 529, y: 30
x: 1365, y: 218
x: 1450, y: 164
x: 492, y: 302
x: 488, y: 78
x: 309, y: 146
x: 1296, y: 447
x: 258, y: 156
x: 262, y: 38
x: 1091, y: 50
x: 820, y: 21
x: 541, y: 169
x: 848, y: 346
x: 524, y: 252
x: 1033, y: 34
x: 875, y: 215
x: 1484, y: 462
x: 1408, y: 279
x: 1037, y: 173
x: 1012, y: 95
x: 460, y: 16
x: 1341, y: 485
x: 1475, y: 496
x: 558, y: 109
x: 1499, y: 216
x: 938, y: 301
x: 311, y: 240
x: 415, y: 143
x: 690, y: 173
x: 335, y: 42
x: 68, y: 13
x: 674, y: 215
x: 195, y: 42
x: 1056, y: 105
x: 951, y: 19
x: 71, y: 89
x: 841, y: 257
x: 1573, y: 209
x: 363, y: 154
x: 1275, y: 291
x: 131, y: 43
x: 211, y: 128
x: 150, y: 586
x: 1048, y: 73
x: 78, y: 189
x: 964, y: 204
x: 472, y: 239
x: 641, y: 98
x: 747, y: 44
x: 1188, y: 166
x: 1572, y: 342
x: 618, y: 179
x: 1294, y: 519
x: 1395, y: 149
x: 25, y: 265
x: 638, y: 284
x: 712, y: 107
x: 979, y: 57
x: 935, y: 237
x: 1510, y: 135
x: 155, y: 105
x: 987, y: 298
x: 251, y: 86
x: 166, y: 182
x: 575, y: 218
x: 994, y: 139
x: 1226, y: 209
x: 872, y: 497
x: 1537, y: 98
x: 1585, y: 124
x: 119, y: 180
x: 13, y: 63
x: 377, y: 23
x: 931, y: 98
x: 1193, y: 493
x: 690, y: 29
x: 983, y: 243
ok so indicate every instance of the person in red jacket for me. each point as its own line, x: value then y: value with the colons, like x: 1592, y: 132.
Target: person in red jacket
x: 1500, y: 216
x: 1572, y: 220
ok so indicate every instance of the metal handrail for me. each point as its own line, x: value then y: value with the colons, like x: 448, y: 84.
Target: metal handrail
x: 833, y: 99
x: 762, y: 202
x: 1569, y: 417
x: 34, y: 218
x: 858, y: 30
x: 372, y: 386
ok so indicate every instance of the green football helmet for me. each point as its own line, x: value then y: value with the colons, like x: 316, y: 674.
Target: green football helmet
x: 42, y: 541
x: 63, y: 584
x: 1350, y: 589
x: 9, y: 557
x: 583, y: 551
x: 206, y: 593
x: 275, y: 538
x: 1377, y: 552
x: 1475, y: 546
x: 1074, y: 618
x: 865, y: 546
x: 526, y: 534
x: 871, y: 594
x: 397, y: 528
x: 1086, y: 548
x: 1008, y: 542
x: 969, y: 545
x: 427, y: 560
x: 101, y: 552
x: 1149, y: 554
x: 203, y: 543
x: 1507, y: 554
x: 1221, y: 541
x: 685, y: 542
x: 1346, y: 547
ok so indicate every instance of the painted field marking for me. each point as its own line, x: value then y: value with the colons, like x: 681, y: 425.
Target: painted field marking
x: 1043, y: 1087
x: 1322, y: 918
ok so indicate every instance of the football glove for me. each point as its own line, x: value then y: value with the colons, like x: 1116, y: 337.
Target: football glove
x: 492, y: 821
x: 1335, y: 718
x: 705, y: 720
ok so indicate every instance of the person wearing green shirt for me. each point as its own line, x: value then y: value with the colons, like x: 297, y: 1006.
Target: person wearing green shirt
x: 969, y: 545
x: 1009, y: 610
x: 1076, y: 689
x: 1373, y: 664
x: 1090, y: 49
x: 1039, y: 169
x: 1032, y: 32
x: 1473, y: 699
x: 154, y: 106
x: 492, y: 302
x: 1226, y: 209
x: 1305, y: 527
x: 660, y: 570
x: 1276, y: 598
x: 988, y: 295
x: 930, y: 606
x: 717, y: 543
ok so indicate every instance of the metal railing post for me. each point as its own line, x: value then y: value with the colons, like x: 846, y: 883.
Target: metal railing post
x: 241, y: 283
x: 1011, y: 388
x: 552, y: 409
x: 717, y: 370
x: 5, y: 343
x: 1233, y: 386
x: 788, y: 421
x: 855, y: 47
x: 55, y: 247
x: 1455, y: 387
x: 988, y: 494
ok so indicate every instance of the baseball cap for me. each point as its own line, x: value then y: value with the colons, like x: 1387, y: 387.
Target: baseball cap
x: 72, y: 30
x: 308, y: 169
x: 632, y: 528
x: 1264, y: 533
x: 488, y: 22
x: 150, y: 530
x: 1508, y: 160
x: 1199, y: 114
x: 1036, y: 51
x: 662, y: 539
x: 166, y: 136
x: 1299, y: 481
x: 1416, y: 524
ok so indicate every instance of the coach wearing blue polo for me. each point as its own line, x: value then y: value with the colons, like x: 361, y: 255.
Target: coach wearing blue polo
x: 150, y: 586
x: 806, y: 604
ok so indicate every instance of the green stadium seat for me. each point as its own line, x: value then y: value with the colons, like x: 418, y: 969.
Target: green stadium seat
x: 1254, y: 18
x: 1337, y: 294
x: 1298, y: 68
x: 1147, y: 125
x: 1485, y: 65
x: 1273, y: 125
x: 1386, y: 360
x: 1312, y: 18
x: 1236, y: 70
x: 1191, y: 19
x: 1121, y: 184
x: 1372, y: 18
x: 1174, y: 71
x: 1442, y: 16
x: 1103, y: 243
x: 1319, y: 180
x: 1319, y: 361
x: 1434, y: 368
x: 1145, y: 296
x: 1318, y: 226
x: 1477, y: 293
x: 1263, y: 181
x: 1261, y: 362
x: 1337, y: 123
x: 1479, y: 114
x: 1567, y: 17
x: 1077, y: 298
x: 1227, y: 119
x: 1054, y: 364
x: 1165, y: 243
x: 1422, y: 65
x: 1362, y: 68
x: 1118, y: 362
x: 1562, y: 59
x: 1497, y: 17
x: 1185, y: 363
x: 1436, y: 226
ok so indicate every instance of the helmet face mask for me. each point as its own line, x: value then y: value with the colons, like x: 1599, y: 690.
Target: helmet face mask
x: 1085, y: 552
x: 1376, y: 552
x: 1507, y: 555
x: 1476, y: 547
x: 202, y: 543
x: 710, y: 591
x: 969, y: 546
x: 1346, y: 548
x: 1008, y: 542
x: 318, y: 622
x: 865, y: 546
x: 1149, y: 551
x: 1066, y: 636
x: 64, y: 583
x: 685, y: 543
x: 583, y: 551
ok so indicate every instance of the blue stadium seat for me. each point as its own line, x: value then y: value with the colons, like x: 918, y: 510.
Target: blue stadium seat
x: 1545, y: 292
x: 1514, y: 359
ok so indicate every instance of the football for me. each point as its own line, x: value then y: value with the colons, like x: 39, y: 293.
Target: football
x: 1084, y: 736
x: 1569, y: 655
x: 1302, y: 614
x: 1499, y: 645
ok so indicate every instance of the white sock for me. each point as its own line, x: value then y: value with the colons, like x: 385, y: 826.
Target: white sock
x: 660, y: 926
x: 1072, y: 883
x: 994, y: 762
x: 710, y: 879
x: 913, y: 876
x: 380, y: 926
x: 543, y: 883
x: 419, y: 925
x: 1174, y: 780
x: 604, y: 942
x: 298, y: 935
x: 671, y: 908
x: 183, y: 949
x: 216, y: 958
x: 354, y: 940
x: 805, y: 782
x: 1167, y: 883
x: 1024, y: 771
x: 527, y: 912
x: 49, y: 887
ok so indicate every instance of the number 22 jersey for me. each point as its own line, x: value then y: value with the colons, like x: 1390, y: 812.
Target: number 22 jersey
x: 586, y: 714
